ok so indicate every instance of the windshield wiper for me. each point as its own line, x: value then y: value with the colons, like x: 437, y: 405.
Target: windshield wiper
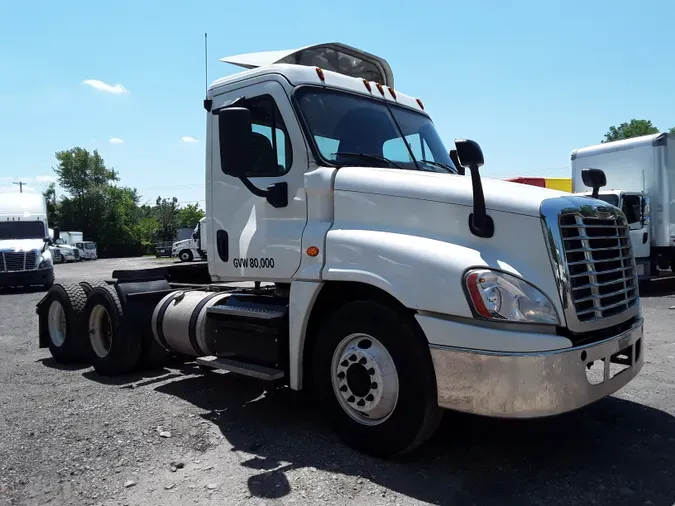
x: 439, y: 164
x: 369, y: 157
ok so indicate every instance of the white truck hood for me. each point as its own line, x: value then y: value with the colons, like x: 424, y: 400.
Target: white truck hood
x: 21, y: 244
x: 413, y: 184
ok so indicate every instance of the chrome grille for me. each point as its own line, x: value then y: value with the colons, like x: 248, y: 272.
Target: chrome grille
x: 76, y: 253
x: 602, y: 277
x: 12, y: 261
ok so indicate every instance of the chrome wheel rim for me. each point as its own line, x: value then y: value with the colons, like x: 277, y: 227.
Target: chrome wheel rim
x: 365, y: 380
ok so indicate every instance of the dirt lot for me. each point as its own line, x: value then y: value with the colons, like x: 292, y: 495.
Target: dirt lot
x: 68, y: 436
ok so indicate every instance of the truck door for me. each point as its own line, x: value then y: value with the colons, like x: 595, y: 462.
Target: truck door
x: 251, y: 238
x: 640, y: 234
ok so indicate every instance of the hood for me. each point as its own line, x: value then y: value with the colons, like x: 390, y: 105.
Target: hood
x: 180, y: 243
x: 500, y: 195
x: 21, y: 244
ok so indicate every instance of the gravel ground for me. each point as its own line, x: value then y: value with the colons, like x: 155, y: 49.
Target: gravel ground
x: 179, y: 436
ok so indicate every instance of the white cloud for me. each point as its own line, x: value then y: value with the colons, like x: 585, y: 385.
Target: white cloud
x: 116, y: 140
x: 116, y: 89
x: 45, y: 179
x: 187, y: 138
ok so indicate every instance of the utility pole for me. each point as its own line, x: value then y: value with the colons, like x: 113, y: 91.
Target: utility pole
x: 20, y: 183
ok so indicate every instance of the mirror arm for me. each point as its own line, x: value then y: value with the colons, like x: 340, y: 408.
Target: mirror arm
x: 276, y: 194
x: 480, y: 223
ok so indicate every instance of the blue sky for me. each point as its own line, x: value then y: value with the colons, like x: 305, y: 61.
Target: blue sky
x: 530, y: 81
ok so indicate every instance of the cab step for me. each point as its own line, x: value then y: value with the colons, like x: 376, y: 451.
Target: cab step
x: 238, y: 367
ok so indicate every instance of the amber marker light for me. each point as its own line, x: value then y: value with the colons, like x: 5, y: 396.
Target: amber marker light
x: 312, y: 251
x: 319, y: 72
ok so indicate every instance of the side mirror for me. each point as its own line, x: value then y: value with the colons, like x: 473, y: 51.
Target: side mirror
x: 234, y: 138
x: 57, y: 234
x: 469, y: 153
x: 594, y: 178
x: 455, y: 161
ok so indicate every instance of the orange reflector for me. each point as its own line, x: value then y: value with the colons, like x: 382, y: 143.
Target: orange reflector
x: 312, y: 251
x: 319, y: 73
x: 380, y: 89
x: 419, y: 102
x: 392, y: 92
x: 367, y: 84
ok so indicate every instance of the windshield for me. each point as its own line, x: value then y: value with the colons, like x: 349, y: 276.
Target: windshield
x: 22, y: 230
x: 89, y: 245
x: 353, y: 130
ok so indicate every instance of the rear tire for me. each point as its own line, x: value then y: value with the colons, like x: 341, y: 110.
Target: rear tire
x: 370, y: 358
x: 61, y: 323
x: 88, y: 286
x: 115, y: 347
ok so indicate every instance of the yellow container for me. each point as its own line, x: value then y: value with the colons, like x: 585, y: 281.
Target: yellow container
x: 559, y: 183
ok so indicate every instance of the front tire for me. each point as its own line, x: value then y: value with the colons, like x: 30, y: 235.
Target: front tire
x: 374, y: 377
x: 185, y: 255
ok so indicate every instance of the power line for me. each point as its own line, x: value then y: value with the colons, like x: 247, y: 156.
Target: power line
x: 21, y: 184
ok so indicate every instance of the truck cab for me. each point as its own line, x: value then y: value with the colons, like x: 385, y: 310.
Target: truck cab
x: 373, y: 271
x: 25, y: 258
x: 189, y: 249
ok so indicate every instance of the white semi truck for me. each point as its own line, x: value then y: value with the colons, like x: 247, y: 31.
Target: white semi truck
x: 640, y: 180
x: 25, y: 258
x: 385, y: 282
x: 192, y: 247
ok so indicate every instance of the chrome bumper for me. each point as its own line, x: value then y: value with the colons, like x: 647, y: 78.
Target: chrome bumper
x: 526, y: 385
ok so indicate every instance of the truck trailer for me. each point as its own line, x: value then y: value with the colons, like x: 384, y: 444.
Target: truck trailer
x: 349, y: 256
x: 640, y: 180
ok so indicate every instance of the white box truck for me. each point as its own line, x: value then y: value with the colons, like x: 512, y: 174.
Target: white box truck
x: 640, y: 180
x: 369, y: 270
x: 25, y: 258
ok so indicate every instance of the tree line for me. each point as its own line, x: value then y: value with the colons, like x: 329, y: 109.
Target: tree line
x: 108, y: 213
x: 632, y: 128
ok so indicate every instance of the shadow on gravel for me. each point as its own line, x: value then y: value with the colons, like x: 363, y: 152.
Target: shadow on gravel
x: 657, y: 287
x: 19, y: 290
x: 614, y: 452
x: 53, y: 364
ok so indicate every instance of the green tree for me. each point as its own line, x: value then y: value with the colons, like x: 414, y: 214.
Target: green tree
x: 52, y: 205
x: 189, y: 216
x: 166, y: 213
x: 634, y: 128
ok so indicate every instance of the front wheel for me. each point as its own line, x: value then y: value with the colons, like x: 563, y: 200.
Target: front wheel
x: 374, y: 376
x: 185, y: 256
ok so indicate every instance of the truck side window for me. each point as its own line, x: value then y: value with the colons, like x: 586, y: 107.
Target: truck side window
x: 273, y: 155
x: 632, y: 208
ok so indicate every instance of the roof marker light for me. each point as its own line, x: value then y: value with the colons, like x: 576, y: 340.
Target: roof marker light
x: 367, y: 85
x: 419, y: 102
x: 392, y: 92
x: 380, y: 88
x: 319, y: 73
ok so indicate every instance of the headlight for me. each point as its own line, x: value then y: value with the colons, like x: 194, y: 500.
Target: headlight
x: 45, y: 263
x: 496, y: 295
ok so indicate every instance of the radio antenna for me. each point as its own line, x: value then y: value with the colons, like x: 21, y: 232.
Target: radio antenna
x: 207, y: 100
x: 206, y: 64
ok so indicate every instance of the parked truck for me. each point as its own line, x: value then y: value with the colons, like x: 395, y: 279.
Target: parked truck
x: 640, y: 180
x: 25, y: 258
x: 189, y: 249
x: 380, y: 278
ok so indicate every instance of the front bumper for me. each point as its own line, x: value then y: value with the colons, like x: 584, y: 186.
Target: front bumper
x: 27, y: 278
x: 534, y: 384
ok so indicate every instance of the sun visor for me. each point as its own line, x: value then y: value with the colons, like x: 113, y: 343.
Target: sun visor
x: 333, y: 56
